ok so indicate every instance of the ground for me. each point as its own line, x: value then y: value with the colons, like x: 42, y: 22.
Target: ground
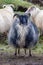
x: 7, y: 59
x: 7, y: 56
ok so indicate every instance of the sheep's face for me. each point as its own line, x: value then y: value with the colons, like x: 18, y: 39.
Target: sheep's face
x: 33, y: 11
x: 9, y: 7
x: 21, y: 19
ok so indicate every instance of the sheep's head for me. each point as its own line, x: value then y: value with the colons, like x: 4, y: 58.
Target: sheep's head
x: 21, y: 19
x: 33, y: 10
x: 9, y: 7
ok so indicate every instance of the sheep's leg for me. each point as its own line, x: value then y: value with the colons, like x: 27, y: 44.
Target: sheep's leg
x: 15, y: 51
x: 19, y: 51
x: 25, y: 51
x: 30, y: 52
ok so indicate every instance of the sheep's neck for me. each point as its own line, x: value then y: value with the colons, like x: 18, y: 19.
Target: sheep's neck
x: 34, y: 17
x: 39, y: 26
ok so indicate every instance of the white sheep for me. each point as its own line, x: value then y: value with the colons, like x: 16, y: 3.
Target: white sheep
x: 6, y: 17
x: 37, y: 16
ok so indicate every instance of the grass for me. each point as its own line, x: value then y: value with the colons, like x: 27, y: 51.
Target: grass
x: 16, y: 3
x: 6, y: 48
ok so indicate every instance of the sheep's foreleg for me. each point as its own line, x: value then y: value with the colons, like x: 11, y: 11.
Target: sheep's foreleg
x: 30, y: 52
x: 15, y: 51
x: 19, y: 51
x: 25, y: 51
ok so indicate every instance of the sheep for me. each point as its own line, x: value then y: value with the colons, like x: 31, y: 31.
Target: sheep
x: 6, y: 18
x: 23, y: 33
x: 37, y: 17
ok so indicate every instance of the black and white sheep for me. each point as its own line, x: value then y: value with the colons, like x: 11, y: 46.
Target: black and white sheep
x: 37, y: 16
x: 23, y: 33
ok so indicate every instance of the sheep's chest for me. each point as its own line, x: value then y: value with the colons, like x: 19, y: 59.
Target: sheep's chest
x: 22, y: 31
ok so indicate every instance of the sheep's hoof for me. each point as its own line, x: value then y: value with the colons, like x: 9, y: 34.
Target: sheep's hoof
x: 30, y: 55
x: 15, y: 54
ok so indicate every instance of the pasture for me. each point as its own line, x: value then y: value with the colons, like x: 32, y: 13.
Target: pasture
x: 7, y: 53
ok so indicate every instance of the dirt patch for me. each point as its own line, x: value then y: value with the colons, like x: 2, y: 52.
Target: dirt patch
x: 9, y: 59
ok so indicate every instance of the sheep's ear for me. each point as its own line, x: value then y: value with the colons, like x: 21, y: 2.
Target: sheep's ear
x: 32, y: 8
x: 15, y: 15
x: 28, y: 14
x: 4, y: 6
x: 12, y: 5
